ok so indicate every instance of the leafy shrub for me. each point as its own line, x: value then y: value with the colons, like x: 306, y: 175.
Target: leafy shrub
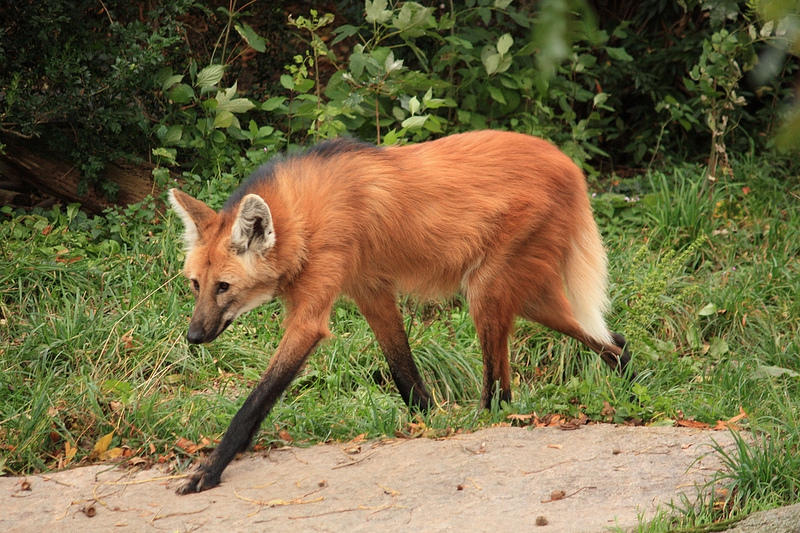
x: 79, y: 76
x: 614, y: 85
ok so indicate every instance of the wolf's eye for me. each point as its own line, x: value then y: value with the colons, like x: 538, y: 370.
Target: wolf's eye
x: 196, y: 285
x: 223, y: 287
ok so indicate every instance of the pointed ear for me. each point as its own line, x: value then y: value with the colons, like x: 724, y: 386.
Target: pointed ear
x: 195, y: 215
x: 253, y: 231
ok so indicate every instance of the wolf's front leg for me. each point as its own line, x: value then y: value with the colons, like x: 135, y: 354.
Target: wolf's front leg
x: 294, y: 348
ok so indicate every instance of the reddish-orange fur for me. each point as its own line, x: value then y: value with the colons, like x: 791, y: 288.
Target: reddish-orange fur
x: 503, y: 217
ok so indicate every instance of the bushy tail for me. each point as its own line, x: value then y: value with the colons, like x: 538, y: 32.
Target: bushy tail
x: 586, y: 281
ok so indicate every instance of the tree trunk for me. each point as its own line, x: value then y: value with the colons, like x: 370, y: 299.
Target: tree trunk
x: 29, y: 166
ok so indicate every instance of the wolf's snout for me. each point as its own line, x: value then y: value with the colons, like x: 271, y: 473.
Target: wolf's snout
x: 196, y: 335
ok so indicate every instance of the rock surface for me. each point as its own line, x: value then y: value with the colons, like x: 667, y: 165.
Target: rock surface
x: 542, y: 479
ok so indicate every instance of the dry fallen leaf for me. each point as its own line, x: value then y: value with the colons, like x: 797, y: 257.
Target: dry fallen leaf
x: 731, y: 423
x: 352, y: 450
x: 692, y: 424
x: 113, y: 453
x: 69, y: 452
x: 101, y: 446
x: 185, y: 444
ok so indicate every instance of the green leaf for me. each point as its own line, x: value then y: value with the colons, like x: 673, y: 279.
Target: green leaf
x: 502, y: 4
x: 170, y: 81
x: 265, y: 131
x: 357, y: 63
x: 287, y: 82
x: 708, y: 310
x: 485, y: 13
x: 226, y: 95
x: 717, y: 347
x: 237, y: 105
x: 343, y: 32
x: 618, y: 54
x: 227, y: 100
x: 766, y: 30
x: 693, y: 337
x: 273, y: 103
x: 414, y: 123
x: 377, y: 12
x: 600, y: 99
x: 255, y: 41
x: 413, y: 19
x: 496, y: 94
x: 390, y: 138
x: 304, y: 85
x: 504, y: 43
x: 223, y: 119
x: 168, y: 154
x: 173, y: 135
x: 161, y: 76
x: 520, y: 18
x: 391, y: 64
x: 413, y: 105
x: 181, y: 94
x: 210, y: 76
x: 490, y: 59
x: 721, y: 10
x: 774, y: 371
x: 434, y: 124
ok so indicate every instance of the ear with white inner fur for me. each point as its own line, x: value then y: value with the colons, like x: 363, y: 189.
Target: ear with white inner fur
x: 195, y: 215
x: 253, y: 231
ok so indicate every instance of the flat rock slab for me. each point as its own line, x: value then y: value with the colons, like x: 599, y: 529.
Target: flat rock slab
x: 783, y: 520
x: 584, y: 480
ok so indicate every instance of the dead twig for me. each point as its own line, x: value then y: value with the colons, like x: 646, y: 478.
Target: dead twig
x: 562, y: 496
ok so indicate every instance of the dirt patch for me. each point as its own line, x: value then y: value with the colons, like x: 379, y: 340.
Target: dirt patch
x: 546, y: 479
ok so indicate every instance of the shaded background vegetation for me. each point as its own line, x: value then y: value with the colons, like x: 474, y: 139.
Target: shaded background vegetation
x: 619, y: 85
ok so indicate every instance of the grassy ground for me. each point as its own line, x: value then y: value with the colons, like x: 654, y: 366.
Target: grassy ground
x: 93, y: 315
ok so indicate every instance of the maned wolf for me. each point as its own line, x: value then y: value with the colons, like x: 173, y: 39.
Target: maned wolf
x: 502, y: 217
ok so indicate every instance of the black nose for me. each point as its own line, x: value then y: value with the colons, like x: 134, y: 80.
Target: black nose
x: 195, y: 336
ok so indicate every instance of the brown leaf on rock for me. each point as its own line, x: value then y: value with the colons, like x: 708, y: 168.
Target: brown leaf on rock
x: 692, y: 424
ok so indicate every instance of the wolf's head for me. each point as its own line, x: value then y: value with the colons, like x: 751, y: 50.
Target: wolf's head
x: 227, y: 261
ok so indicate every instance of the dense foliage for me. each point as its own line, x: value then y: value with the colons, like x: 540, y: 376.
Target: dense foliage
x: 619, y: 86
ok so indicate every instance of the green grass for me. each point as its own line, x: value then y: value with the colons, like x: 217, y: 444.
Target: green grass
x: 94, y: 314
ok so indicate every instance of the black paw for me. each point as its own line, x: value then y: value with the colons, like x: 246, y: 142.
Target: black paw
x: 197, y: 480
